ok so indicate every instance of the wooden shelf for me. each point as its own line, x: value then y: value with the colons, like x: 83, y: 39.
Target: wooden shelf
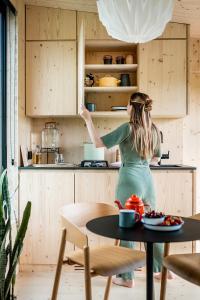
x: 104, y: 45
x: 120, y: 89
x: 112, y: 114
x: 111, y: 67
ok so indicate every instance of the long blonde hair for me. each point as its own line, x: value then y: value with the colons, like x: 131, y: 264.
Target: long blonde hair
x: 145, y: 134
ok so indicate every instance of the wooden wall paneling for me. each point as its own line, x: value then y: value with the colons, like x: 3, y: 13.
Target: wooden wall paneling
x: 162, y: 75
x: 44, y: 23
x: 51, y: 78
x: 174, y: 191
x: 93, y: 27
x: 174, y: 31
x: 48, y: 191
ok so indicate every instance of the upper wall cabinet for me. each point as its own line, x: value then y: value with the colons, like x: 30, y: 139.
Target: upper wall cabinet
x: 162, y: 75
x: 43, y: 24
x: 94, y: 30
x: 174, y: 31
x: 51, y: 78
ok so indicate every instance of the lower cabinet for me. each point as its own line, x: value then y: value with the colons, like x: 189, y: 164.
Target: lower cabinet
x: 175, y: 195
x: 96, y: 186
x: 48, y: 191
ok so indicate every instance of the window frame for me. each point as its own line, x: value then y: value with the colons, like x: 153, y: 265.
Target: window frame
x: 5, y: 4
x: 3, y: 85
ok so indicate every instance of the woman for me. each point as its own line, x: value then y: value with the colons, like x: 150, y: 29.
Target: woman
x: 139, y: 143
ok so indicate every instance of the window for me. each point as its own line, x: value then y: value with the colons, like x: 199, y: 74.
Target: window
x: 3, y: 138
x: 5, y: 6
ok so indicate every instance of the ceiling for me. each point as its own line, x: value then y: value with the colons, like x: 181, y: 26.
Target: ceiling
x: 185, y: 11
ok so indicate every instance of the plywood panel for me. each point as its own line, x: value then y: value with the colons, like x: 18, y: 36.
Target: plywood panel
x: 174, y: 31
x: 48, y: 192
x: 96, y: 186
x: 51, y: 78
x: 185, y: 11
x: 93, y: 27
x: 175, y: 196
x: 162, y: 75
x: 50, y: 24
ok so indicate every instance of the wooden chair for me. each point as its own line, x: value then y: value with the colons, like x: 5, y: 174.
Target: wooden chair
x: 106, y: 260
x: 186, y: 266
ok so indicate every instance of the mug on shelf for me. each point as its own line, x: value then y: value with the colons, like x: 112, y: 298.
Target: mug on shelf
x: 125, y: 80
x: 128, y: 218
x: 91, y: 106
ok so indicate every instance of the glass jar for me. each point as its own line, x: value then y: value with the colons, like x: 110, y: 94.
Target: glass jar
x: 50, y: 136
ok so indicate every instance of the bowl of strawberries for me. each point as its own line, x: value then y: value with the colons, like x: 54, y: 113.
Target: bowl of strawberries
x: 170, y: 223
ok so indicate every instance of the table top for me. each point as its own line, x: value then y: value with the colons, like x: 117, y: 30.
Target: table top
x: 108, y: 227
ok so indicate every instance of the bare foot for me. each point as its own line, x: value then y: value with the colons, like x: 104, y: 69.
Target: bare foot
x: 158, y: 276
x: 122, y: 282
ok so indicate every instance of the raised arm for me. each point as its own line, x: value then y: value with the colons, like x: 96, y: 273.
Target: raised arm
x: 94, y: 136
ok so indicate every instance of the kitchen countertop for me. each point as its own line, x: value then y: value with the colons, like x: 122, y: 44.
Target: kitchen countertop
x: 163, y: 167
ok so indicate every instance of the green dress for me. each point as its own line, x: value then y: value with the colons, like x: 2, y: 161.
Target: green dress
x: 134, y: 178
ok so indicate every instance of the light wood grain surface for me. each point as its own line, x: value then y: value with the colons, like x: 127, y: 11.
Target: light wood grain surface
x: 162, y: 75
x: 48, y: 192
x: 50, y: 24
x: 51, y: 78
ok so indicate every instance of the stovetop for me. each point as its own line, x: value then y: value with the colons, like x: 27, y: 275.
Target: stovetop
x: 94, y: 164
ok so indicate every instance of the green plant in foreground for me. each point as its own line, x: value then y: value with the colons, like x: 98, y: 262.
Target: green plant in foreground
x: 9, y: 253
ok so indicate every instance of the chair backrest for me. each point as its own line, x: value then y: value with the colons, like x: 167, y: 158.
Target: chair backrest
x: 78, y: 214
x: 196, y: 217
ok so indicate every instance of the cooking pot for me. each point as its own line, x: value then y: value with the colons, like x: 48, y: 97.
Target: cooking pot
x: 108, y: 81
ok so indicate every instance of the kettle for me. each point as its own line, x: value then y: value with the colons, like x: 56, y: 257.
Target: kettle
x: 133, y: 202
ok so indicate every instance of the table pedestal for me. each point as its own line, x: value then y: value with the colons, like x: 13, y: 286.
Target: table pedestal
x: 149, y: 261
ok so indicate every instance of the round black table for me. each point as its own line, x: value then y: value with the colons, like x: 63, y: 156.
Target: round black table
x: 109, y: 227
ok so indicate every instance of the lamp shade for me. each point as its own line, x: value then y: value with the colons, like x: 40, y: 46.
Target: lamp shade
x: 135, y: 21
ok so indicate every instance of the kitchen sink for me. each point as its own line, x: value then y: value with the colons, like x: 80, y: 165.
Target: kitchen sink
x: 167, y: 166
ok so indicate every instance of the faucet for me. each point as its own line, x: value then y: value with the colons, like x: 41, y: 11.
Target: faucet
x: 164, y: 155
x: 161, y: 137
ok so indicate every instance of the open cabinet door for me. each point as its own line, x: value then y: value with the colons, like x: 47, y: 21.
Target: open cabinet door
x: 81, y: 63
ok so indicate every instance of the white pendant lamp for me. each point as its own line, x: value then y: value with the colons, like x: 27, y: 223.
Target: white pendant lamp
x: 135, y: 21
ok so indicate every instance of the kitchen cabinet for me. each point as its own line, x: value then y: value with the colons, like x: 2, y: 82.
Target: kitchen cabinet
x: 159, y: 69
x: 50, y: 78
x: 48, y: 191
x: 94, y: 29
x: 90, y: 60
x: 43, y: 24
x: 96, y: 186
x: 162, y: 74
x: 175, y: 192
x: 175, y: 31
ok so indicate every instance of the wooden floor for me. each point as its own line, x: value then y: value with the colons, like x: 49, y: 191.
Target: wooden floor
x: 38, y: 285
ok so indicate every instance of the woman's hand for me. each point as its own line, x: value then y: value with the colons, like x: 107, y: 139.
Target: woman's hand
x: 85, y: 114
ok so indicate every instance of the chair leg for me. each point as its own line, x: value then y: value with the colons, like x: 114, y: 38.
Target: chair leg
x: 107, y: 290
x: 59, y: 265
x: 164, y: 275
x: 88, y: 290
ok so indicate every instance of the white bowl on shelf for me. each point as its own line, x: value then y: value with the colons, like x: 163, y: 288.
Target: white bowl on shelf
x: 153, y: 221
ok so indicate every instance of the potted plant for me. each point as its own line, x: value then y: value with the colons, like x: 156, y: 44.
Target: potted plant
x: 9, y: 251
